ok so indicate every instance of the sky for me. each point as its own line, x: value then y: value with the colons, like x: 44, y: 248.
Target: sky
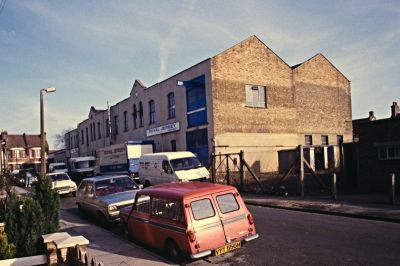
x: 92, y: 51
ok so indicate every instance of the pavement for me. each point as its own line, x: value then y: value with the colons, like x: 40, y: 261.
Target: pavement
x: 371, y: 207
x: 110, y: 249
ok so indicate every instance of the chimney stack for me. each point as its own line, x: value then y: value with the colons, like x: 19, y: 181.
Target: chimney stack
x: 395, y: 110
x: 371, y: 116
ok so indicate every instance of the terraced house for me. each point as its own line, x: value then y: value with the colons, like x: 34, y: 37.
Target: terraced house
x: 245, y: 98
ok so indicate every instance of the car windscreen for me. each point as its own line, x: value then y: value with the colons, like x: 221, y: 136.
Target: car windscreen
x: 59, y: 177
x: 59, y: 167
x: 114, y: 185
x: 185, y: 163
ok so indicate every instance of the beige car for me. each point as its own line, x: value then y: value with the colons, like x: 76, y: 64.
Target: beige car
x: 62, y: 183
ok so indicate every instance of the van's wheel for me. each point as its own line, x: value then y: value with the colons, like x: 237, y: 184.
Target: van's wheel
x: 147, y: 183
x: 173, y: 252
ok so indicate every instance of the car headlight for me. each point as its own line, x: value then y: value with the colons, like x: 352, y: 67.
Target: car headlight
x: 112, y: 208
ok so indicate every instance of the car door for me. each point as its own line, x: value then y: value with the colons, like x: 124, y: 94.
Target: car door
x: 139, y: 218
x: 232, y: 214
x: 80, y: 194
x: 205, y: 222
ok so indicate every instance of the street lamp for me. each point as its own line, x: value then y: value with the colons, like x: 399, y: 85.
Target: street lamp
x: 42, y: 139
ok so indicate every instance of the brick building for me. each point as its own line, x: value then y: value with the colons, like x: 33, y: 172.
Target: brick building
x: 245, y: 98
x: 20, y: 151
x: 378, y: 144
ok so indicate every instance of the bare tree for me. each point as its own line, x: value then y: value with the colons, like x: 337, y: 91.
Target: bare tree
x: 59, y: 139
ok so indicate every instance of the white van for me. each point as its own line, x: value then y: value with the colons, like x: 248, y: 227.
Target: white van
x: 58, y: 168
x: 167, y: 167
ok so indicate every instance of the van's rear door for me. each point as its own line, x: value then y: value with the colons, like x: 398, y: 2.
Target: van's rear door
x: 232, y: 214
x: 206, y: 223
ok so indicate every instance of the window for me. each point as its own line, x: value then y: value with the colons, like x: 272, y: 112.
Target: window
x: 87, y: 137
x: 167, y: 208
x: 324, y: 140
x: 227, y: 203
x: 173, y: 145
x: 17, y: 156
x: 308, y: 140
x: 32, y: 153
x: 255, y: 96
x: 202, y: 209
x: 143, y: 204
x: 196, y: 102
x: 23, y: 154
x: 99, y: 130
x: 82, y: 137
x: 140, y: 114
x: 126, y: 121
x: 94, y: 131
x: 152, y: 112
x: 171, y: 105
x: 107, y: 126
x: 10, y: 154
x: 91, y: 132
x: 115, y: 125
x: 135, y: 114
x: 389, y: 152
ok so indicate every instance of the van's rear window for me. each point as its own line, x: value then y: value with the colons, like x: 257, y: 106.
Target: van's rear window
x: 202, y: 209
x: 227, y: 203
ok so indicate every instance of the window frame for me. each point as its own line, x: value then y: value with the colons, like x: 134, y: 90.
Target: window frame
x: 171, y: 105
x: 261, y: 101
x: 152, y: 112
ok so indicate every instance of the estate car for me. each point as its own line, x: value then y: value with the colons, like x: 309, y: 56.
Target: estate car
x: 194, y: 219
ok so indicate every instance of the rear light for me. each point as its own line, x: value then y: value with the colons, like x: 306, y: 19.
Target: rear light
x: 250, y: 218
x: 191, y: 235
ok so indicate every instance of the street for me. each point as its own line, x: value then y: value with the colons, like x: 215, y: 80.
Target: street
x: 298, y: 238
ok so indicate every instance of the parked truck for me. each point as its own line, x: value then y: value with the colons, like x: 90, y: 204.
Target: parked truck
x: 122, y: 158
x: 81, y: 167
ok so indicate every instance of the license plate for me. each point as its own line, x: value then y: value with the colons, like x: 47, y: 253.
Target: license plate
x: 228, y: 248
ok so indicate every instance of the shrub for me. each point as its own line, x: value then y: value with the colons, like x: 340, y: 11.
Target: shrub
x: 11, y: 221
x: 7, y: 250
x: 30, y: 228
x: 49, y: 201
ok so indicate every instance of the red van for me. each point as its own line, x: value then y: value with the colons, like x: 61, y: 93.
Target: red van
x: 189, y: 219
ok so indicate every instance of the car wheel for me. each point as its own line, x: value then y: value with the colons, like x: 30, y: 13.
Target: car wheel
x: 80, y: 209
x: 125, y: 232
x: 103, y: 220
x: 147, y: 183
x: 173, y: 252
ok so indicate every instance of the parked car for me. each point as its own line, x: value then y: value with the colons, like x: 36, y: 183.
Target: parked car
x: 192, y: 219
x: 62, y: 183
x: 19, y: 177
x: 104, y: 196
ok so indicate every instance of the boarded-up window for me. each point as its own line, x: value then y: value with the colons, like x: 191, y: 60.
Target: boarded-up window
x: 256, y: 96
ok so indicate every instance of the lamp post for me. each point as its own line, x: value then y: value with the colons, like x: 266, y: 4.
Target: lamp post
x: 42, y: 138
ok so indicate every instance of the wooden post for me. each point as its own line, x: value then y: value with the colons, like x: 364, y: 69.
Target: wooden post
x: 393, y: 188
x: 241, y: 171
x: 213, y: 167
x: 301, y: 174
x: 227, y: 170
x: 334, y: 191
